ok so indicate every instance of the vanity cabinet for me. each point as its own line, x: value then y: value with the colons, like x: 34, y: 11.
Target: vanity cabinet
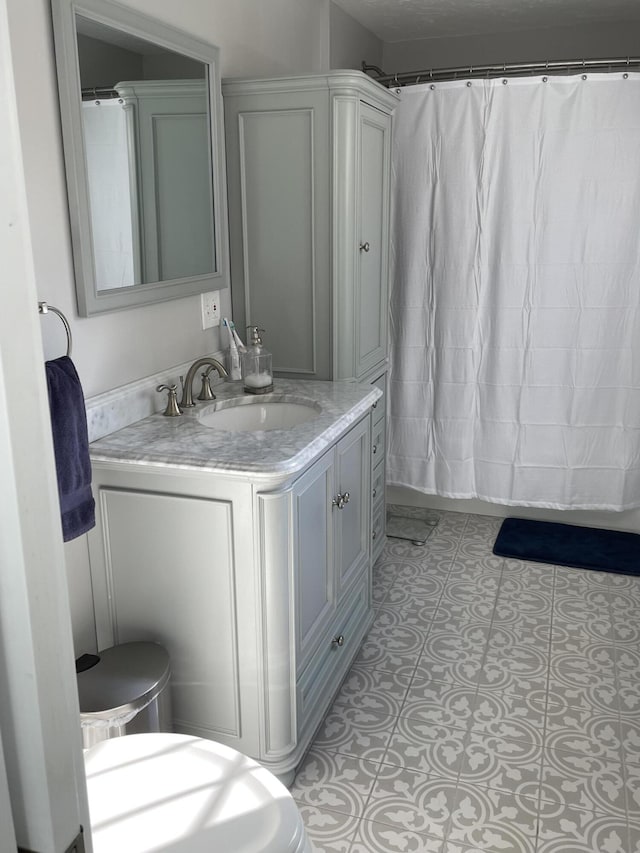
x: 258, y: 586
x: 308, y: 179
x: 378, y: 461
x: 308, y: 175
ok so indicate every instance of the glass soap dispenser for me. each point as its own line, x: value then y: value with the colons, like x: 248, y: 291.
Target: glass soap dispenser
x: 257, y: 374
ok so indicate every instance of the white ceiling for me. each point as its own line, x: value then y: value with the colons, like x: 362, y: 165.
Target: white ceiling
x: 405, y: 20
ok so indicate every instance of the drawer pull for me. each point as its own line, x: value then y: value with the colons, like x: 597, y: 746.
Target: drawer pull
x: 375, y: 405
x: 364, y: 247
x: 375, y: 492
x: 338, y: 641
x: 375, y: 448
x: 341, y: 500
x: 374, y: 534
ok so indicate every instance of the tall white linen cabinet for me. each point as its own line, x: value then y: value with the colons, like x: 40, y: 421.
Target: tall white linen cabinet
x: 308, y: 172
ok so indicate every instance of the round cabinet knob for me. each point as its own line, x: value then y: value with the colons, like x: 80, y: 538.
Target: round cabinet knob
x: 364, y: 247
x: 338, y: 641
x: 341, y: 500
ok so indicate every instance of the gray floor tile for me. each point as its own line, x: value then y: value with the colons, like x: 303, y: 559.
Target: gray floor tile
x: 333, y: 781
x: 428, y: 747
x: 493, y: 820
x: 374, y: 837
x: 494, y: 706
x: 374, y: 690
x: 566, y: 828
x: 440, y: 703
x: 513, y: 766
x: 328, y: 831
x: 359, y: 732
x: 408, y: 800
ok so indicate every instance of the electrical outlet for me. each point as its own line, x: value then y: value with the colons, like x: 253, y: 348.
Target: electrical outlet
x: 210, y: 309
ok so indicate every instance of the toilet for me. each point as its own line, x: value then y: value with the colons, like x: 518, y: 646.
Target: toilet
x: 157, y: 792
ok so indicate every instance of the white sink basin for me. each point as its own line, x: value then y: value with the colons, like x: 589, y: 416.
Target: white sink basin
x: 253, y: 414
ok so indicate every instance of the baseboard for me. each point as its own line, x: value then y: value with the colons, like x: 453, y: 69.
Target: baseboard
x: 626, y: 520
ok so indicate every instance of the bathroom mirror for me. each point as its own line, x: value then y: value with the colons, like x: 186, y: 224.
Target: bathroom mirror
x: 143, y: 141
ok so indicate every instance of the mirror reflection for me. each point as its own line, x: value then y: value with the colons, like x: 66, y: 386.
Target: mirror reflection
x: 145, y: 127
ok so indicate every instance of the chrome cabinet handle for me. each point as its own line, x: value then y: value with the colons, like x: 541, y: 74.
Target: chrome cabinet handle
x: 364, y: 247
x: 341, y: 500
x: 375, y: 492
x: 374, y: 534
x: 375, y: 448
x: 338, y: 641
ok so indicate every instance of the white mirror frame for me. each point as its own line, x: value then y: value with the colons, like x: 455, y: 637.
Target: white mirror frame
x: 90, y: 300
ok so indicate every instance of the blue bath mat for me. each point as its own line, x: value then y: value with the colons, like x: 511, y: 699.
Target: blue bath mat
x: 569, y: 545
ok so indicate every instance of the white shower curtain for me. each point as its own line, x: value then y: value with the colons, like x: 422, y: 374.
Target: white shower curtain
x: 109, y: 178
x: 515, y: 316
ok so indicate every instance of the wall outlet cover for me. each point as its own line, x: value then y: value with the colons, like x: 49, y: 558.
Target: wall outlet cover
x: 210, y: 309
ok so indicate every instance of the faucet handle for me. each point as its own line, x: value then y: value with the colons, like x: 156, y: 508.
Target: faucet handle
x: 205, y: 392
x: 172, y: 410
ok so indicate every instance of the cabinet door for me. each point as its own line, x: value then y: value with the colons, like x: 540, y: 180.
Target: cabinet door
x: 173, y: 154
x: 373, y: 217
x: 171, y: 578
x: 313, y: 545
x: 278, y: 167
x: 353, y: 518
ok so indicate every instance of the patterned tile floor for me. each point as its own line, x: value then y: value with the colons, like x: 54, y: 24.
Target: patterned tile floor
x: 494, y: 706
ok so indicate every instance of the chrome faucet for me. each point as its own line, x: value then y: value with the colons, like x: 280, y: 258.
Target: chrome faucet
x: 187, y: 391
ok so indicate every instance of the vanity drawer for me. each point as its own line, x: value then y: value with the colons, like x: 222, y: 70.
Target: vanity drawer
x: 377, y: 485
x: 378, y: 524
x: 380, y: 406
x: 378, y: 442
x: 329, y: 665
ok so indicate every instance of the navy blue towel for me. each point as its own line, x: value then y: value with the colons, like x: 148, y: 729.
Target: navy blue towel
x: 569, y: 545
x: 71, y: 446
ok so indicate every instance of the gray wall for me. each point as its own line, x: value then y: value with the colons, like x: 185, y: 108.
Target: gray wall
x: 98, y: 59
x: 103, y: 64
x: 593, y: 41
x: 350, y: 42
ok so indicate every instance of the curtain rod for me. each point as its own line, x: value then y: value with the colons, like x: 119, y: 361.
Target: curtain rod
x: 97, y: 92
x: 406, y: 78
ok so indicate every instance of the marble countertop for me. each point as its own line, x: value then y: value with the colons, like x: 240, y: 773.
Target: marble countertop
x: 183, y: 442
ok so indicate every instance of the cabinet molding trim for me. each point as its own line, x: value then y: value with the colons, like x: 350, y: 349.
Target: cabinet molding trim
x: 277, y: 655
x: 268, y: 275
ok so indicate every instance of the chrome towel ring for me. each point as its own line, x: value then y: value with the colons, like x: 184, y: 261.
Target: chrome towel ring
x: 45, y: 308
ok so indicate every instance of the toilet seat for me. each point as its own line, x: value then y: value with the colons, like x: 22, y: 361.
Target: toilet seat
x: 166, y: 792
